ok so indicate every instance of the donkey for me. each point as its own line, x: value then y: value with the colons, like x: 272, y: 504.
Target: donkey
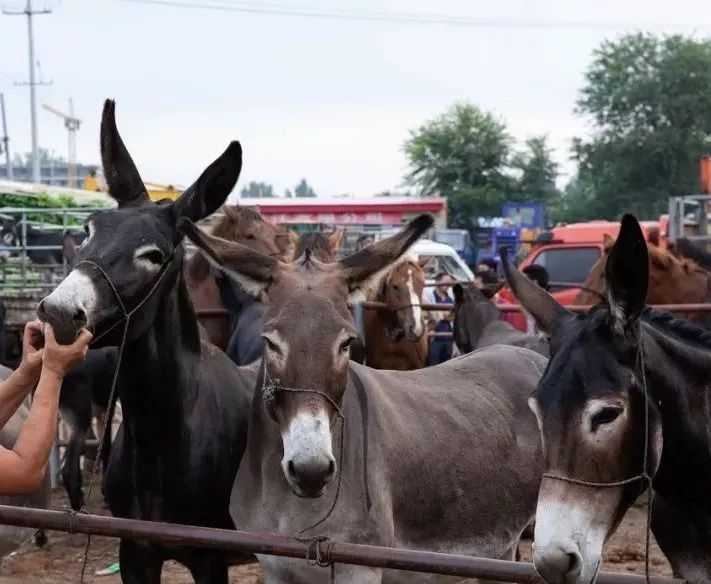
x: 622, y: 381
x: 395, y: 335
x: 244, y: 225
x: 185, y: 404
x: 246, y: 344
x: 443, y: 458
x: 477, y: 323
x: 85, y: 392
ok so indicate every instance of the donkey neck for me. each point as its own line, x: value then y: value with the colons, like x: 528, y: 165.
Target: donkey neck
x: 484, y: 314
x: 678, y: 376
x: 157, y: 375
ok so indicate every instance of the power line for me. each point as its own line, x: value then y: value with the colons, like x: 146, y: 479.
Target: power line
x: 402, y: 18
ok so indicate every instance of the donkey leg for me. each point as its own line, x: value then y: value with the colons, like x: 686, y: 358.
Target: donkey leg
x: 140, y: 563
x: 71, y: 470
x: 208, y: 568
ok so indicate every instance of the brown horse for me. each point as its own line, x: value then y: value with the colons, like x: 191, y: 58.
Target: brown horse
x: 244, y: 225
x: 395, y: 336
x: 672, y: 280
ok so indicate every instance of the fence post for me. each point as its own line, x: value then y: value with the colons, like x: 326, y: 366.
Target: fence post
x: 23, y: 265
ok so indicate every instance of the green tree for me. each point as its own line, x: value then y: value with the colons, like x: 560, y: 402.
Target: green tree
x: 257, y: 190
x: 303, y: 189
x: 649, y: 99
x: 537, y: 172
x: 462, y: 155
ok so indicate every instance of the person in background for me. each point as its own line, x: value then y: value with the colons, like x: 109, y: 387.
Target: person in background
x: 44, y: 365
x: 440, y: 321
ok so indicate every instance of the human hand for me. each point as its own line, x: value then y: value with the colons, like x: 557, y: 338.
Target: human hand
x: 32, y: 351
x: 60, y: 359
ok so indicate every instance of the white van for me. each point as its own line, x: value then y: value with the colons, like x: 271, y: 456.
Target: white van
x: 443, y: 258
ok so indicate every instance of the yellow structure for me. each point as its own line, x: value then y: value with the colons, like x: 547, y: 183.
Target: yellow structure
x: 157, y: 192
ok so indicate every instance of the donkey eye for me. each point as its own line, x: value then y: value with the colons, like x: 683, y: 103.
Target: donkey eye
x: 154, y: 256
x: 346, y: 345
x: 606, y: 415
x: 250, y: 236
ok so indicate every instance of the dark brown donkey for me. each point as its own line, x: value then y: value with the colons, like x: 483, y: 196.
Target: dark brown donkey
x: 624, y: 385
x: 443, y: 458
x: 395, y: 336
x: 185, y: 404
x: 244, y: 225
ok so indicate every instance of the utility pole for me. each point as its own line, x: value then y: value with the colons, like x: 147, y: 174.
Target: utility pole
x: 6, y: 138
x: 29, y: 12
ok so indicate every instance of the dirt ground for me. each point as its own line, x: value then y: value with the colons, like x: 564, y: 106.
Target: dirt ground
x: 60, y: 560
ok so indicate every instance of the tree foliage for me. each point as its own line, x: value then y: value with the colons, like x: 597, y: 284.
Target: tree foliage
x: 649, y: 99
x: 257, y: 190
x: 303, y: 189
x: 468, y: 156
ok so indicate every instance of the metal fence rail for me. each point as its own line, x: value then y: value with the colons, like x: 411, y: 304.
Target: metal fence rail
x: 281, y: 545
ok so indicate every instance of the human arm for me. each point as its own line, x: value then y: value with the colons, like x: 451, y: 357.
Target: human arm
x: 22, y: 468
x: 15, y: 388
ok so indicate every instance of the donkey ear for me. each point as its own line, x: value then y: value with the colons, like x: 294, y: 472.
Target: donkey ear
x: 627, y: 274
x: 209, y: 191
x: 122, y: 177
x: 252, y: 270
x: 541, y: 305
x: 366, y: 263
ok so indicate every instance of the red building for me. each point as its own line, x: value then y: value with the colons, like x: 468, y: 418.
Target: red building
x: 363, y: 213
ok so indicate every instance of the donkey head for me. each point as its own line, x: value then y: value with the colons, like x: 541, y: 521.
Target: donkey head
x: 590, y: 406
x: 130, y: 250
x: 402, y: 292
x: 308, y: 330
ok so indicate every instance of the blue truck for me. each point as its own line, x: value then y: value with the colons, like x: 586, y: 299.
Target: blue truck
x: 494, y: 233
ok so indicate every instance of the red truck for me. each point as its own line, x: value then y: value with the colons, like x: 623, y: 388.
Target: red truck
x: 568, y: 254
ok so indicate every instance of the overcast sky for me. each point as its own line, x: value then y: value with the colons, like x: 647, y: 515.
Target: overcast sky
x: 331, y: 100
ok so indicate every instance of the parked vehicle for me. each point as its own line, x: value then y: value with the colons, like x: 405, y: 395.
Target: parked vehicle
x: 460, y: 240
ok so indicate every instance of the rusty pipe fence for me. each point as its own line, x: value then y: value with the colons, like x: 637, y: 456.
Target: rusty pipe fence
x: 326, y: 552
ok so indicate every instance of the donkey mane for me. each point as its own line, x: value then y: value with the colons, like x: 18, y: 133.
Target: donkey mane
x: 682, y: 329
x: 314, y: 243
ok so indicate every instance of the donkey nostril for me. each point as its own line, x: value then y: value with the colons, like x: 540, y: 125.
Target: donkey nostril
x: 79, y: 316
x: 331, y: 467
x: 573, y: 563
x: 290, y: 467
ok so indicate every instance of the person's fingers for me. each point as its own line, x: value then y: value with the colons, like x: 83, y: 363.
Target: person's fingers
x: 84, y: 338
x: 49, y: 334
x: 34, y: 326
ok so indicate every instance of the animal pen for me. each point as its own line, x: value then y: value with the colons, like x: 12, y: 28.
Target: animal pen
x: 318, y: 550
x: 19, y: 276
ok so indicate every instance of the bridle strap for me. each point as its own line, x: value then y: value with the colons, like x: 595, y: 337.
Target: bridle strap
x: 126, y: 319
